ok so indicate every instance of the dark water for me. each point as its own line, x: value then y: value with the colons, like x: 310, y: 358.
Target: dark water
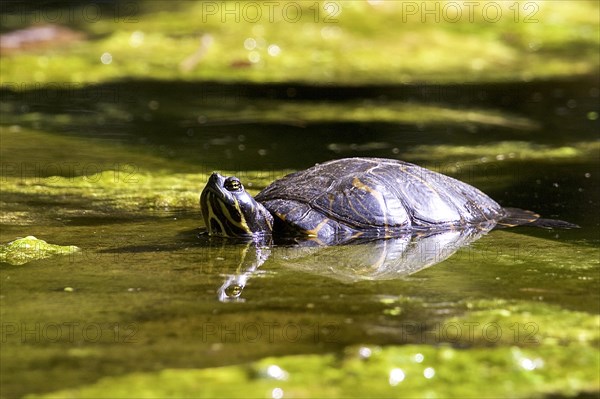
x: 143, y: 290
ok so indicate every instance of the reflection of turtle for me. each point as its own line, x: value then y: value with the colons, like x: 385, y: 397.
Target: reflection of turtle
x: 355, y: 197
x: 365, y: 259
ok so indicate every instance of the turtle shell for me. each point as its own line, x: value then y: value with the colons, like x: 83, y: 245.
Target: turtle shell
x: 375, y: 195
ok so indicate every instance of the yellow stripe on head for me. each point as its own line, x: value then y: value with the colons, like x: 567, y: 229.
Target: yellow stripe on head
x: 242, y: 222
x: 221, y: 216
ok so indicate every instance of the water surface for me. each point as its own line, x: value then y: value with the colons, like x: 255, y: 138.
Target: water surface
x: 120, y: 179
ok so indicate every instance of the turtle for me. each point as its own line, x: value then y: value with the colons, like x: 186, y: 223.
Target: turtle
x: 356, y: 197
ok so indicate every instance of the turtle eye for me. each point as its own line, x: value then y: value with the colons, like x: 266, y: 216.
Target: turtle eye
x: 233, y: 184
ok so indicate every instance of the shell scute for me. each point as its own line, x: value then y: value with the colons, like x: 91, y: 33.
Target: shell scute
x: 373, y: 194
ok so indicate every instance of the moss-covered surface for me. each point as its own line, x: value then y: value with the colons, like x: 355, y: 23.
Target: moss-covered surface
x: 116, y: 169
x: 501, y: 151
x: 340, y: 42
x: 507, y: 350
x: 23, y: 250
x: 388, y: 372
x: 302, y: 112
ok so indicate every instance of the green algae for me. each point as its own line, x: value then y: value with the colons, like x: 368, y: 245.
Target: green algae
x: 506, y: 150
x: 373, y: 371
x: 525, y: 323
x: 298, y: 113
x: 27, y: 249
x: 160, y: 40
x: 371, y: 111
x: 512, y: 348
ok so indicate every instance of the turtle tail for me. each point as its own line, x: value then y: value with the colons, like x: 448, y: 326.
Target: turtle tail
x: 519, y: 217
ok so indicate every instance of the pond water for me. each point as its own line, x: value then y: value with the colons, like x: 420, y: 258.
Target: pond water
x: 117, y: 171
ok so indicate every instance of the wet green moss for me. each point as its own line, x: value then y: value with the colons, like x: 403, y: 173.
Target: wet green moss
x: 528, y: 324
x: 505, y: 150
x: 404, y: 371
x: 369, y: 111
x: 23, y: 250
x: 295, y: 113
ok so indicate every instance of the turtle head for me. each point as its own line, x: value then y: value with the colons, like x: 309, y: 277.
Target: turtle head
x: 229, y: 211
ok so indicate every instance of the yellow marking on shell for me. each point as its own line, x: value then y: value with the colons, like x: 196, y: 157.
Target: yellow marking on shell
x: 315, y: 232
x: 281, y: 216
x: 378, y: 196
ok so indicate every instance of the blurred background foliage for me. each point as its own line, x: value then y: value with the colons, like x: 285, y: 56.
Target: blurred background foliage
x: 324, y: 42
